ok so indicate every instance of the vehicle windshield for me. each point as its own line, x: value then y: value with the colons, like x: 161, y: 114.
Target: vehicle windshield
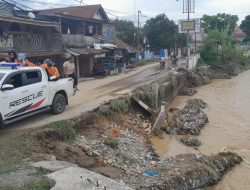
x: 1, y: 76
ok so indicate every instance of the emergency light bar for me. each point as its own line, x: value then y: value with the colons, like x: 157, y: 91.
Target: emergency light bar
x: 9, y: 65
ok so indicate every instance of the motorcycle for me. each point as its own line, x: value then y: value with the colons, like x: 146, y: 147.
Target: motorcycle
x: 162, y: 64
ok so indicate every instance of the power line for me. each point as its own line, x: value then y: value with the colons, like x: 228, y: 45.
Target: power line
x: 21, y: 4
x: 45, y: 3
x: 12, y: 4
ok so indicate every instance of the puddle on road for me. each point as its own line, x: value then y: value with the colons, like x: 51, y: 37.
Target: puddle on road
x: 229, y: 127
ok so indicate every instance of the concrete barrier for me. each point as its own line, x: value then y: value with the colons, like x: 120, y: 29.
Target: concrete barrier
x: 193, y: 59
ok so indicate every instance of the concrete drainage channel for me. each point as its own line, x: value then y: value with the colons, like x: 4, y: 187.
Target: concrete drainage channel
x: 115, y: 139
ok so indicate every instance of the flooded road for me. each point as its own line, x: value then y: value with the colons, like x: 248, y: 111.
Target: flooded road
x: 229, y: 127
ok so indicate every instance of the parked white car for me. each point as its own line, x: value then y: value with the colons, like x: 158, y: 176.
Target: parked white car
x: 25, y: 91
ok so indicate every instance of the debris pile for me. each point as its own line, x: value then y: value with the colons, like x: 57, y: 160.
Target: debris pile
x: 124, y: 147
x: 202, y: 75
x: 190, y: 120
x: 197, y: 102
x: 186, y: 171
x: 189, y: 141
x: 185, y: 91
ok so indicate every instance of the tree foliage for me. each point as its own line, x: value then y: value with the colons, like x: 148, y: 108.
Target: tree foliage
x: 245, y: 26
x: 219, y: 22
x: 161, y: 32
x: 219, y: 50
x: 125, y: 30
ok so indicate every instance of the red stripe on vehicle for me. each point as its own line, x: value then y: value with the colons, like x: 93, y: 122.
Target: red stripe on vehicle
x: 33, y: 106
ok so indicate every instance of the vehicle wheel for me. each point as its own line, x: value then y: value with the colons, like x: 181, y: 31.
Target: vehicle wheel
x: 58, y: 104
x: 1, y: 122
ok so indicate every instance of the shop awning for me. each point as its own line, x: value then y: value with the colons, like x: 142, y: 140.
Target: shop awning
x: 86, y: 51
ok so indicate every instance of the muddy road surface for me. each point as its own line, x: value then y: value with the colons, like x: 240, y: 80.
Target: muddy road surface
x: 93, y: 93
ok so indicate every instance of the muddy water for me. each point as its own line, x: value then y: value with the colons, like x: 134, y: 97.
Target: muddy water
x: 229, y: 127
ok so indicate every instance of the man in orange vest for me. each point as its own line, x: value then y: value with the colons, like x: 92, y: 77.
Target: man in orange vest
x: 23, y: 61
x: 49, y: 66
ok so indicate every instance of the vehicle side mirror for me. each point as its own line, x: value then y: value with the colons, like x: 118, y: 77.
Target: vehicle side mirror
x: 7, y: 87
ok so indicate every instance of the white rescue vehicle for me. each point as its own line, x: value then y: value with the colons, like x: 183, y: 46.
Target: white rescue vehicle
x: 25, y: 91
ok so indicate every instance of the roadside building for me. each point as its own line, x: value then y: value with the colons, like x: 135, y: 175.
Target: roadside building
x: 82, y: 27
x: 23, y: 31
x: 84, y: 32
x: 89, y: 36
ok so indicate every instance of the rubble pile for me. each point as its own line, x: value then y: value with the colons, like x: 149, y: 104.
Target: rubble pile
x: 197, y: 102
x: 189, y: 141
x: 185, y: 91
x: 124, y: 147
x: 186, y: 171
x: 190, y: 120
x: 202, y: 75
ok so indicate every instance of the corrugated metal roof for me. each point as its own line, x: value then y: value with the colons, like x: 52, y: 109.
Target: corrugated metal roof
x: 27, y: 21
x: 6, y: 9
x: 85, y: 12
x: 85, y: 51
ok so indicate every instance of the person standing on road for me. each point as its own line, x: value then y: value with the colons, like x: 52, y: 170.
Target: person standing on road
x: 70, y: 70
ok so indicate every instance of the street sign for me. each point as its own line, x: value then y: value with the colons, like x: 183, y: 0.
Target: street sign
x: 185, y: 25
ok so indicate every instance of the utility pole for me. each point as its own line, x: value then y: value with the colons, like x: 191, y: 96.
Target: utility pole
x: 188, y: 7
x: 138, y: 28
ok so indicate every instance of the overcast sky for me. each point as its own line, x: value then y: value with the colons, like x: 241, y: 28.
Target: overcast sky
x: 149, y: 8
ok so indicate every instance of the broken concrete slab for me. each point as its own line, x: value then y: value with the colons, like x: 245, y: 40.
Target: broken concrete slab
x: 78, y: 178
x: 110, y: 172
x: 143, y: 105
x: 53, y: 166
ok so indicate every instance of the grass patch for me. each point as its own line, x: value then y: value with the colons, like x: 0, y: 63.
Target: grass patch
x: 105, y: 111
x: 111, y: 142
x: 119, y: 105
x: 13, y: 151
x: 59, y: 130
x: 42, y: 184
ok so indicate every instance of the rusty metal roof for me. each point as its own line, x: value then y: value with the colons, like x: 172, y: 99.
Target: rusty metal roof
x: 27, y: 21
x: 85, y: 12
x: 86, y: 51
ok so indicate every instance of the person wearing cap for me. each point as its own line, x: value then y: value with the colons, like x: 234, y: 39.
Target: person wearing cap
x: 23, y: 61
x: 48, y: 65
x: 12, y: 56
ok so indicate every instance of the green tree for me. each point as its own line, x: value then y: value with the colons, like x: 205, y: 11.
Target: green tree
x: 219, y: 22
x: 161, y: 32
x: 125, y: 30
x: 219, y: 51
x: 245, y: 26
